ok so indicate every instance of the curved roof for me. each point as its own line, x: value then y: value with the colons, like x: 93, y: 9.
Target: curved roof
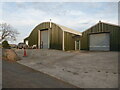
x: 66, y: 29
x: 62, y: 28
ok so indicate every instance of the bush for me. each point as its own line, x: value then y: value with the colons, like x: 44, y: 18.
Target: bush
x: 5, y: 44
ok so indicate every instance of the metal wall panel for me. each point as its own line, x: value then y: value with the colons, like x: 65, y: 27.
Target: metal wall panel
x: 69, y: 41
x: 56, y: 37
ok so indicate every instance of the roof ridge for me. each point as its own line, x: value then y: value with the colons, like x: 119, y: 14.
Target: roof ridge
x: 110, y: 24
x: 67, y: 29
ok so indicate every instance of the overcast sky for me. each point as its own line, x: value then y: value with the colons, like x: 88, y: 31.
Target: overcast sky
x: 76, y: 15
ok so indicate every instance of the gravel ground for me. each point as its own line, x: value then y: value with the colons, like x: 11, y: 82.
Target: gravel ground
x: 81, y: 68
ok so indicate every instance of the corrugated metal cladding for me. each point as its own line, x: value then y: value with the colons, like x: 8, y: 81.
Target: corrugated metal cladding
x: 55, y: 35
x: 101, y: 27
x: 69, y: 41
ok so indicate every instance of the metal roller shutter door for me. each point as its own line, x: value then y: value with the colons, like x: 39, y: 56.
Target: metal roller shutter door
x: 44, y: 38
x: 99, y: 42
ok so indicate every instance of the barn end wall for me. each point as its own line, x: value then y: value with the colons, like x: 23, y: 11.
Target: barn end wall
x: 102, y: 28
x: 55, y: 35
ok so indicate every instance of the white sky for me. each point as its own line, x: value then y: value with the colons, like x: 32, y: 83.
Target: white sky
x: 24, y: 16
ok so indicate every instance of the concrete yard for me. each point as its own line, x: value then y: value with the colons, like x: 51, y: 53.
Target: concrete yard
x: 15, y: 75
x: 83, y: 69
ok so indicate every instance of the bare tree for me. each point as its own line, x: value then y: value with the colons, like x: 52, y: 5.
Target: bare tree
x: 7, y: 32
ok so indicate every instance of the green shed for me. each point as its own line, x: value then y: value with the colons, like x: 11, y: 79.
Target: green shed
x: 101, y: 37
x: 49, y: 35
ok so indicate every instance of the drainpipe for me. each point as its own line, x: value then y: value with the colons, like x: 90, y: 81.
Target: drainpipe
x: 50, y: 23
x: 79, y: 44
x: 75, y: 46
x: 63, y: 42
x: 49, y: 34
x: 38, y: 38
x: 99, y: 26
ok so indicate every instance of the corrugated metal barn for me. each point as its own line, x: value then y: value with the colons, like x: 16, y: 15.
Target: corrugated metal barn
x: 48, y: 35
x: 102, y: 36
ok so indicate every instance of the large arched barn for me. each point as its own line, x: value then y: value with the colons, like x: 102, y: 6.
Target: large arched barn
x: 49, y: 35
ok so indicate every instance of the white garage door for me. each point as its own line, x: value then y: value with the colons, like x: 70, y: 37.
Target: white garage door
x: 100, y: 42
x: 44, y: 39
